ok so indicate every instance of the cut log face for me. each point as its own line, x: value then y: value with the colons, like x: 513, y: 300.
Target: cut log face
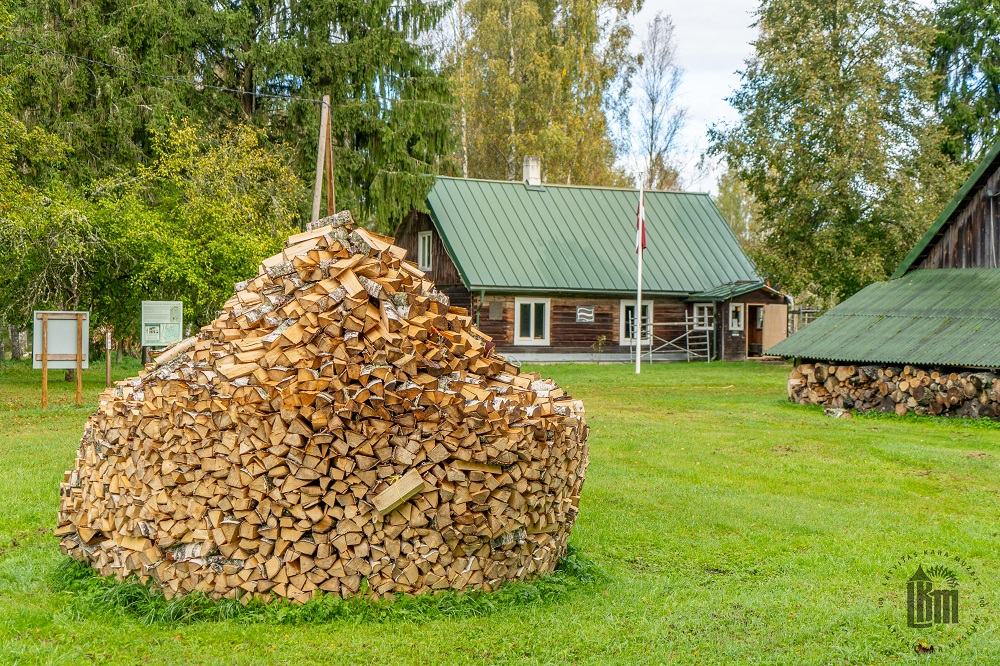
x: 338, y: 422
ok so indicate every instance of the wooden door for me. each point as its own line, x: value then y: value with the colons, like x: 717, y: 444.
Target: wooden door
x: 775, y: 324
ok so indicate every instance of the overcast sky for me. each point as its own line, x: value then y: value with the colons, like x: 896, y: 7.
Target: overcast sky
x: 713, y: 41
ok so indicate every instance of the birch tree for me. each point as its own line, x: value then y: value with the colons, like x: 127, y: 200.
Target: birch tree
x: 659, y: 78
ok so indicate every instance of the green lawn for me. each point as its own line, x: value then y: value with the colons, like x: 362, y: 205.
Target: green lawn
x: 731, y: 526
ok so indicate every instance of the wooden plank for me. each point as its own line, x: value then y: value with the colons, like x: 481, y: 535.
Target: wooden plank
x: 107, y: 360
x: 392, y: 497
x: 79, y: 358
x: 59, y: 315
x: 59, y: 357
x: 45, y: 361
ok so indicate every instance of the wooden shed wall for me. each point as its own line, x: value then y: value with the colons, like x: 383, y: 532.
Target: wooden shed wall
x: 972, y: 239
x: 443, y: 271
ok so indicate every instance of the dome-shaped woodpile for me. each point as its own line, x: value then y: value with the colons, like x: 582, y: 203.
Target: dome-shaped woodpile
x: 338, y: 423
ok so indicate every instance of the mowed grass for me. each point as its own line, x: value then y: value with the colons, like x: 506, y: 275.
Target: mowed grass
x: 731, y: 528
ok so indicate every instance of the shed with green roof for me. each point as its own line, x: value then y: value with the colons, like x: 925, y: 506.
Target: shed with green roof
x: 549, y: 271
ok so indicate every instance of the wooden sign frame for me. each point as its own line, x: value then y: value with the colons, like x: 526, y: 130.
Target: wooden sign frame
x: 79, y: 359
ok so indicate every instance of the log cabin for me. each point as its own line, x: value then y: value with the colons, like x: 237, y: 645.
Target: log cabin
x: 936, y: 315
x: 549, y: 271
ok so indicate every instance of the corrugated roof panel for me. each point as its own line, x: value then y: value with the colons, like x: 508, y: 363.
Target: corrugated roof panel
x: 561, y: 238
x: 927, y: 317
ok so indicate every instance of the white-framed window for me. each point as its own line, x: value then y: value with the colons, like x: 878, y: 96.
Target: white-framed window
x: 626, y: 321
x: 737, y: 312
x: 531, y: 321
x: 703, y: 317
x: 585, y: 314
x: 424, y: 241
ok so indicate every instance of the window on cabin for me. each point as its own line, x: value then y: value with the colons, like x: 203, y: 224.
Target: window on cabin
x: 703, y: 317
x: 424, y: 241
x: 531, y: 321
x: 736, y: 316
x: 627, y: 322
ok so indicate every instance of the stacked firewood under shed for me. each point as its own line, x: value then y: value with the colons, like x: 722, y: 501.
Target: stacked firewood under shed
x: 898, y: 389
x: 339, y: 427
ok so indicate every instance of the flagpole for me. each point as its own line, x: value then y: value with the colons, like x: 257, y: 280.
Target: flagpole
x: 637, y: 322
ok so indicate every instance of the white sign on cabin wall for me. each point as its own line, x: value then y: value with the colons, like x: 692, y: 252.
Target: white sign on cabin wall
x: 162, y: 323
x: 60, y: 340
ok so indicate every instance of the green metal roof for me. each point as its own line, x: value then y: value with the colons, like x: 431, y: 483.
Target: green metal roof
x: 508, y: 236
x: 968, y: 189
x: 945, y: 316
x: 726, y: 291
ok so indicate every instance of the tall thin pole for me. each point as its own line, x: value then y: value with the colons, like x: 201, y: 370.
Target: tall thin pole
x: 637, y: 321
x: 331, y: 195
x: 324, y: 120
x: 107, y: 359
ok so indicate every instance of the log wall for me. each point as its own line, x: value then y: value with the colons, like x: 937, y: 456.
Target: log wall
x: 566, y: 334
x: 898, y: 389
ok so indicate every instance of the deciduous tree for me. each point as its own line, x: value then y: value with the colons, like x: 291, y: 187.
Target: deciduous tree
x: 542, y: 77
x: 837, y: 141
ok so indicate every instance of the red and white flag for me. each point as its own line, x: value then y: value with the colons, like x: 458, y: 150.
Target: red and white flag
x: 640, y: 223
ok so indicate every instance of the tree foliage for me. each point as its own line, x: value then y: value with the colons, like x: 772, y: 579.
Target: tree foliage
x: 49, y: 249
x: 836, y: 141
x: 542, y: 77
x: 390, y: 108
x: 739, y: 209
x: 196, y: 220
x: 967, y: 59
x: 189, y: 224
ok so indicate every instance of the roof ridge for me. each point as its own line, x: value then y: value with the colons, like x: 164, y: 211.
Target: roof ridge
x: 570, y: 186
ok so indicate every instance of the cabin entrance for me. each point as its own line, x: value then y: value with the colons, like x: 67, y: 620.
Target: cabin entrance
x: 767, y: 325
x: 755, y: 330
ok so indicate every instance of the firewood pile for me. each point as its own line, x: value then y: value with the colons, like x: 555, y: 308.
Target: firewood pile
x: 340, y: 428
x: 896, y: 389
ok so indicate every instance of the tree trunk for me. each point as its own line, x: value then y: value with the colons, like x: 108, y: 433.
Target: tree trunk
x: 16, y: 350
x: 512, y: 73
